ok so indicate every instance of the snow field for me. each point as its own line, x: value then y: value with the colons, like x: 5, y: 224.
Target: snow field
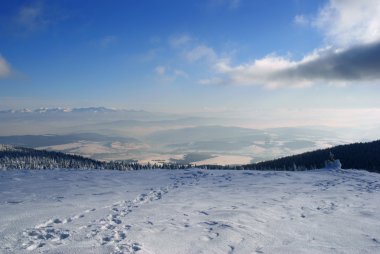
x: 189, y: 211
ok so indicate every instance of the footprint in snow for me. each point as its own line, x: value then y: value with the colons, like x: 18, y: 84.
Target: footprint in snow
x: 204, y: 213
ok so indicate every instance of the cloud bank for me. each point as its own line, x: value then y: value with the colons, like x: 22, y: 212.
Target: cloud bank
x: 352, y: 33
x: 359, y: 64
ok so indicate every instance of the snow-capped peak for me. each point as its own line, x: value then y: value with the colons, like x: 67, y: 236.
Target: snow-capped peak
x: 44, y: 110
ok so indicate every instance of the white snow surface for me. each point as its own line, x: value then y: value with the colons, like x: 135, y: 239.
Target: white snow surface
x: 189, y: 211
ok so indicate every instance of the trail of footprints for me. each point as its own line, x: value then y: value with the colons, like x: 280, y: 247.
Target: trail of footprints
x: 110, y: 230
x: 47, y: 231
x: 113, y: 229
x: 354, y: 181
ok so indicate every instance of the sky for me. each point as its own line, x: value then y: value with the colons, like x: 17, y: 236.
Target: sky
x: 277, y: 57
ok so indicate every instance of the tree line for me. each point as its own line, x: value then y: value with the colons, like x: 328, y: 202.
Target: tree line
x: 12, y: 157
x: 352, y: 156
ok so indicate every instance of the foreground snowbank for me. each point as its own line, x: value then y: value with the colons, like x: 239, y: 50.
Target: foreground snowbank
x: 189, y: 211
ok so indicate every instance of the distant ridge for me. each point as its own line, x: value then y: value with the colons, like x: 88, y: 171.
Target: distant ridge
x: 63, y: 110
x: 44, y: 110
x: 352, y: 156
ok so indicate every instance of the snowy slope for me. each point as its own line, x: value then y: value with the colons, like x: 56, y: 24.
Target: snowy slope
x: 192, y: 211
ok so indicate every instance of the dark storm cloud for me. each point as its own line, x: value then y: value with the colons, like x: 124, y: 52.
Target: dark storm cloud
x: 360, y: 63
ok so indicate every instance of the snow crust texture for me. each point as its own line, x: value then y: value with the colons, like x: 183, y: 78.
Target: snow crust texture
x: 189, y: 211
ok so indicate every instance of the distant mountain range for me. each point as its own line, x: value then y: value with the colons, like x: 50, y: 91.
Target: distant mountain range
x: 67, y: 110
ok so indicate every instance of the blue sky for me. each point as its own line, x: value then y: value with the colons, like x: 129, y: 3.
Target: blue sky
x: 190, y: 56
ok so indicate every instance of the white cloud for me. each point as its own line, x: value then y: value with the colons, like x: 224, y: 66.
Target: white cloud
x: 191, y: 49
x: 201, y: 52
x: 350, y: 27
x: 178, y: 41
x: 329, y: 66
x: 263, y: 72
x: 169, y: 74
x: 160, y: 70
x: 5, y: 68
x: 301, y: 20
x: 349, y: 22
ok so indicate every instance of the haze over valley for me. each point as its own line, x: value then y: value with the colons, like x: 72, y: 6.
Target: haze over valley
x: 115, y: 134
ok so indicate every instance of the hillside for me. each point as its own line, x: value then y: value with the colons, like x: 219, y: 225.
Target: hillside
x: 358, y: 155
x: 13, y: 157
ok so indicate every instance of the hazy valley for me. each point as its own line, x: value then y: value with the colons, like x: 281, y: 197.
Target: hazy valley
x: 111, y: 134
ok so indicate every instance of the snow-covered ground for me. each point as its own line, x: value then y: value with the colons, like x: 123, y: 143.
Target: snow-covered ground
x: 189, y: 211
